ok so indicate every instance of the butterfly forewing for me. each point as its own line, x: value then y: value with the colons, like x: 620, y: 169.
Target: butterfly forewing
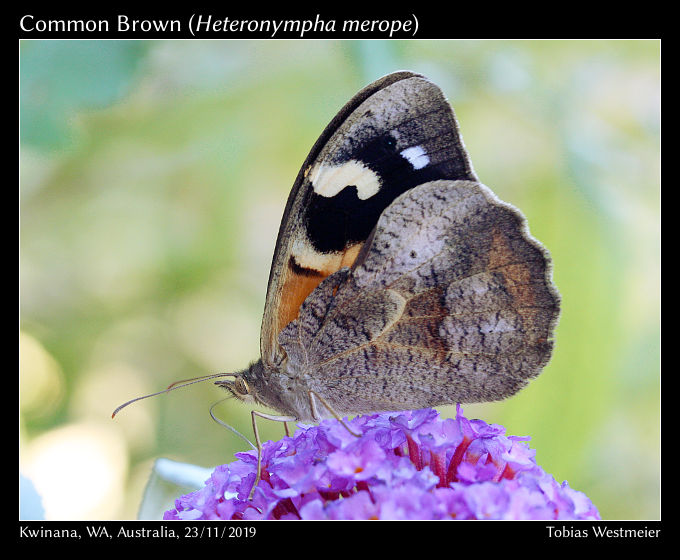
x: 395, y: 134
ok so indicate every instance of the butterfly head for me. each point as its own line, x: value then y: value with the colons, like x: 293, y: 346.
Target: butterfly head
x: 259, y: 385
x: 247, y: 385
x: 239, y: 387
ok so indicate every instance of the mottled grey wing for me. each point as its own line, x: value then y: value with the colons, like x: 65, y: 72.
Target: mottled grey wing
x: 451, y: 300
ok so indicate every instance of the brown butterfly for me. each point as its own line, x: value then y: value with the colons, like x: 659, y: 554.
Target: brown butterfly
x: 398, y: 280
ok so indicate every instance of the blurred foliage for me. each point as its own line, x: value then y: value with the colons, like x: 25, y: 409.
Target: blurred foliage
x: 154, y: 176
x: 61, y: 78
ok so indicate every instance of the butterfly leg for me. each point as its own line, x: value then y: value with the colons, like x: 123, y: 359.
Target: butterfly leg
x: 315, y: 412
x: 258, y: 443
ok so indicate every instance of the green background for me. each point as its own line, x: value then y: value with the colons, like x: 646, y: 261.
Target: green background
x: 153, y: 179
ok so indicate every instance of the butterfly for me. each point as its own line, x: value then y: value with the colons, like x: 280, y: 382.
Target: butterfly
x: 398, y: 280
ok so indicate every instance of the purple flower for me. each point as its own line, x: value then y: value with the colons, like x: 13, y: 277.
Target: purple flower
x: 405, y: 465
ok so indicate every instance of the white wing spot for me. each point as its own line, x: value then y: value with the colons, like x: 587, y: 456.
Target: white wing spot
x: 416, y: 156
x: 329, y: 180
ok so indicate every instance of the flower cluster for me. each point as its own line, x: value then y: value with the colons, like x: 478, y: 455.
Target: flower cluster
x: 405, y: 465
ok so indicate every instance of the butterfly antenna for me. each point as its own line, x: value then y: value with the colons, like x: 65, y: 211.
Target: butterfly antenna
x: 172, y: 387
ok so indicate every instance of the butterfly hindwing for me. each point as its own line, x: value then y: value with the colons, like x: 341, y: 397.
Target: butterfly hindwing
x: 452, y: 302
x: 395, y: 134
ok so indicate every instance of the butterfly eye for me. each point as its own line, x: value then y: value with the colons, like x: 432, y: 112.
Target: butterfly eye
x: 241, y: 387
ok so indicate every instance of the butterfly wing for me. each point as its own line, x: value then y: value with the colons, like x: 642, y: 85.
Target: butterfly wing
x: 450, y: 301
x: 395, y: 134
